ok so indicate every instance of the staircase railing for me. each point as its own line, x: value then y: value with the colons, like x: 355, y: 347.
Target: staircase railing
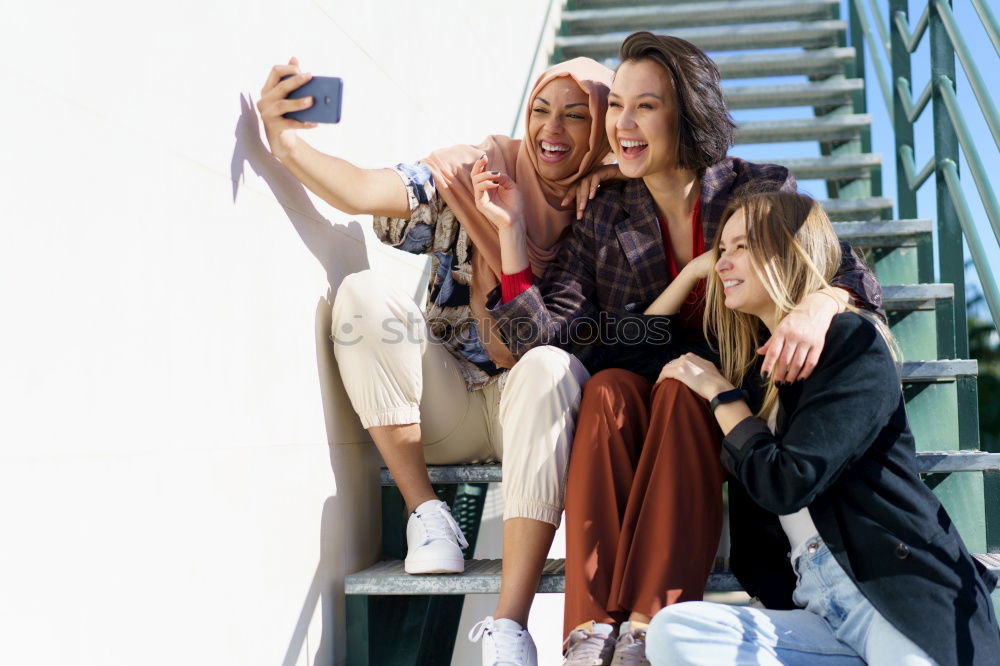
x: 951, y: 131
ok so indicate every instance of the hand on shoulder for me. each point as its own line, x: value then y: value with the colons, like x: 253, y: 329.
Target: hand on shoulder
x: 586, y: 188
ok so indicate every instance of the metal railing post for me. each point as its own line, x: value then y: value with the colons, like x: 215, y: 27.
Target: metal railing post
x: 855, y: 69
x: 951, y: 261
x: 906, y: 198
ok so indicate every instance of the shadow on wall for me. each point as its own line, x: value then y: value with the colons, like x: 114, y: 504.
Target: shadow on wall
x: 326, y: 241
x: 349, y: 526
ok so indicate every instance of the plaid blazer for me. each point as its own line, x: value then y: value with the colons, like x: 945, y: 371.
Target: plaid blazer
x: 612, y: 264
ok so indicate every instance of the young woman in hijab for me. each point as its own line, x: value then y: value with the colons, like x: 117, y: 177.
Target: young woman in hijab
x: 433, y: 384
x: 644, y: 500
x: 854, y: 559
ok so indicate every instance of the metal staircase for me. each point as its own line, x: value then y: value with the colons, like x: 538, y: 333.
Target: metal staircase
x: 803, y: 42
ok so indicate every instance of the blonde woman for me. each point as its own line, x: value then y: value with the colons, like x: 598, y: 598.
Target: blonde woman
x: 824, y: 470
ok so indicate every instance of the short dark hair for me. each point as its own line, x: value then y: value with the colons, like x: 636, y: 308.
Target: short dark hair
x: 705, y: 129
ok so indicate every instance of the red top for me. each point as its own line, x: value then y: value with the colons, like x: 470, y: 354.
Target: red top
x: 512, y: 286
x: 693, y: 308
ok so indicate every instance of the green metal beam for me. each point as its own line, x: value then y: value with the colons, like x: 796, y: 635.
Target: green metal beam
x: 912, y: 110
x: 949, y: 237
x: 989, y: 22
x: 976, y: 81
x: 911, y: 40
x: 972, y: 158
x: 880, y: 24
x: 968, y: 222
x: 906, y: 197
x: 869, y: 36
x: 914, y: 180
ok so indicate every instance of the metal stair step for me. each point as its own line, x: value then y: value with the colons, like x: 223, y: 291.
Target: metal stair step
x: 832, y: 167
x: 813, y: 62
x: 819, y: 62
x: 483, y: 577
x: 927, y: 461
x: 824, y: 128
x: 882, y: 233
x: 804, y: 34
x: 916, y: 296
x: 653, y: 16
x: 860, y: 208
x: 899, y: 251
x: 945, y: 370
x: 812, y: 93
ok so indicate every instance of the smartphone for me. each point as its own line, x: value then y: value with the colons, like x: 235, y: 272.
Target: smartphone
x: 326, y: 92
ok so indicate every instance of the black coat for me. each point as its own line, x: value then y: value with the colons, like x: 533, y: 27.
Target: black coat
x: 844, y: 449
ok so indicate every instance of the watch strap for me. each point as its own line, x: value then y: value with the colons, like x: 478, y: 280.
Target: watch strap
x: 732, y: 395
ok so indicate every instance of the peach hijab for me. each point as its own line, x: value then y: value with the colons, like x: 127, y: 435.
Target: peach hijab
x: 545, y: 218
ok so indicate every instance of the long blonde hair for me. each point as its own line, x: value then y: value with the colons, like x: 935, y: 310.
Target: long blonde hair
x: 794, y: 252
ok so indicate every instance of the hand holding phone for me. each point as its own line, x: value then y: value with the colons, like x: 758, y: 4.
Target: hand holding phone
x: 326, y: 91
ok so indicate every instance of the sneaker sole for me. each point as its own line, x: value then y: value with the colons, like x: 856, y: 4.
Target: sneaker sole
x: 435, y: 566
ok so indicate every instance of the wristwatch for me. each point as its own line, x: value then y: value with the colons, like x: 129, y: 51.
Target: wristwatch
x: 732, y: 395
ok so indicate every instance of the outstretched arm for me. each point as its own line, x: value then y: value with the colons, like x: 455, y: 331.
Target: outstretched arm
x: 338, y: 182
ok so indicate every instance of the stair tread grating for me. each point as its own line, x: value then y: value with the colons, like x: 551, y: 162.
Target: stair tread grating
x: 831, y: 167
x: 813, y: 93
x: 685, y: 14
x: 827, y: 61
x: 830, y: 60
x: 927, y: 462
x: 822, y: 128
x: 716, y: 38
x: 882, y: 233
x: 483, y: 577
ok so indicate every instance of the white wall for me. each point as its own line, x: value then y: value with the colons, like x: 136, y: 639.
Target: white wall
x: 181, y: 478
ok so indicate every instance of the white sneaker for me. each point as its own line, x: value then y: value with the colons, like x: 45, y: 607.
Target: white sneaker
x: 590, y: 644
x: 434, y: 541
x: 631, y: 648
x: 505, y: 643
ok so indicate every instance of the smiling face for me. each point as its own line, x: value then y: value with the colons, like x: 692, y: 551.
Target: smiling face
x: 742, y: 287
x: 559, y: 128
x: 642, y: 119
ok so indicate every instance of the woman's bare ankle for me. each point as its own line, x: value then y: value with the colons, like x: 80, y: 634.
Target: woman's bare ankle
x: 503, y: 614
x: 638, y: 618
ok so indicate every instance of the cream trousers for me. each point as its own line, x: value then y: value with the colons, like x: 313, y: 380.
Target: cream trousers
x: 396, y: 374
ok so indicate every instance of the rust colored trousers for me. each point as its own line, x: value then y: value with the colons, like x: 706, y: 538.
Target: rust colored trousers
x: 643, y: 499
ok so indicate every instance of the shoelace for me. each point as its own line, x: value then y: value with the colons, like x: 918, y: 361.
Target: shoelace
x: 584, y: 648
x: 631, y: 649
x: 440, y: 524
x: 508, y: 645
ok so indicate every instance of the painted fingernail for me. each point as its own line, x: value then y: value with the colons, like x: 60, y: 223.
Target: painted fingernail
x: 765, y: 374
x: 495, y: 173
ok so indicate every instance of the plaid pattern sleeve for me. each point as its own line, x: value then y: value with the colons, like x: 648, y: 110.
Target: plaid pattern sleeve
x: 557, y: 309
x: 854, y: 276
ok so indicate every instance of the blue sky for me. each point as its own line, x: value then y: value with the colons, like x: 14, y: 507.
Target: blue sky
x: 882, y: 130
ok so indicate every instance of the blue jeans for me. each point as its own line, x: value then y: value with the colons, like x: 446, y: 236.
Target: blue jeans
x: 836, y: 626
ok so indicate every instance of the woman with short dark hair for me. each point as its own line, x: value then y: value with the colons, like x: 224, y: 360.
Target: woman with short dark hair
x: 644, y: 500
